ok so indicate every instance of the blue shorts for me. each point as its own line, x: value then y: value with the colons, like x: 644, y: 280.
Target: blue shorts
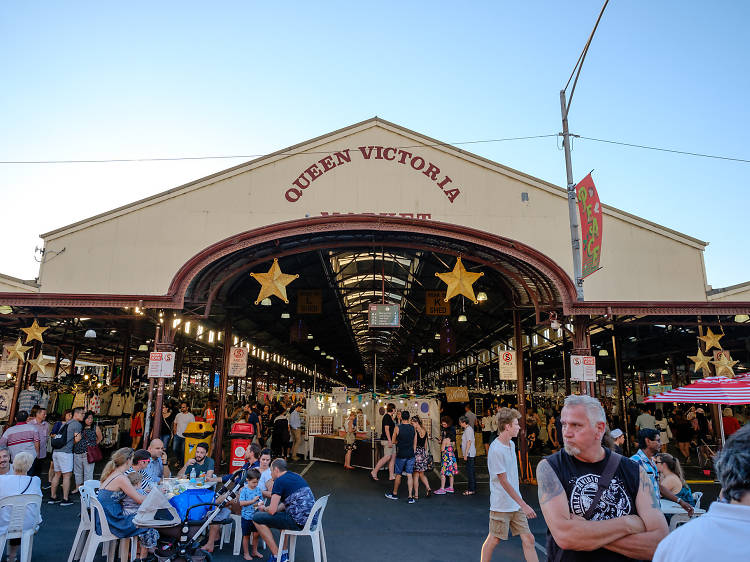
x: 403, y: 465
x: 248, y: 527
x: 279, y: 520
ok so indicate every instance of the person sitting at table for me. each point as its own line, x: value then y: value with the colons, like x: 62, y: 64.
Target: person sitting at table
x: 201, y: 463
x: 291, y: 503
x: 720, y: 534
x: 115, y: 486
x: 649, y: 444
x: 19, y: 483
x: 672, y: 478
x: 166, y: 472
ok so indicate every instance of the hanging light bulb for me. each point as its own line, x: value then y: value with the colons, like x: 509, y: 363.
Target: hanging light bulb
x: 462, y: 318
x: 285, y: 315
x: 266, y: 302
x: 481, y: 296
x: 437, y: 335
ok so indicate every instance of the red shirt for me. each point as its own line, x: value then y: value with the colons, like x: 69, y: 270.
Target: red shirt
x: 731, y: 425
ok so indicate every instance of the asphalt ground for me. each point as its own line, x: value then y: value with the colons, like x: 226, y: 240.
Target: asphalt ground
x: 360, y: 524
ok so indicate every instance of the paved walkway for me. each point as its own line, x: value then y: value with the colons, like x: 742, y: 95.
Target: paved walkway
x: 361, y: 524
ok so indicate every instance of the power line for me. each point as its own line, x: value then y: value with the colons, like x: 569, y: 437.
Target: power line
x: 178, y: 158
x: 224, y: 157
x: 673, y: 151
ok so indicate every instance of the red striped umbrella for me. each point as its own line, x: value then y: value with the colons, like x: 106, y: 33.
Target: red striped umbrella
x: 711, y: 390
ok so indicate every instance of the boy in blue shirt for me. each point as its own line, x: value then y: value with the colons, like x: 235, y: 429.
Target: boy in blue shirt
x: 250, y: 495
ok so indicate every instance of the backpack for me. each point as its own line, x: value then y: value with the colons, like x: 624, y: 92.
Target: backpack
x: 61, y: 439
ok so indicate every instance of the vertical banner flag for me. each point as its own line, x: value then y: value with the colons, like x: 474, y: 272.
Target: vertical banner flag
x: 590, y: 211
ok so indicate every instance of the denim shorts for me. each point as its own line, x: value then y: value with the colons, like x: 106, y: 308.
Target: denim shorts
x: 403, y: 465
x: 279, y: 520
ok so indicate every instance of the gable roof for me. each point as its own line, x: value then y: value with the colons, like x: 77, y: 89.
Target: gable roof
x: 301, y: 148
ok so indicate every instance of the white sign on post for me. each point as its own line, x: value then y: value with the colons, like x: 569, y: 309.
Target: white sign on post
x: 339, y: 394
x: 507, y: 362
x: 583, y: 368
x: 161, y: 364
x: 237, y: 362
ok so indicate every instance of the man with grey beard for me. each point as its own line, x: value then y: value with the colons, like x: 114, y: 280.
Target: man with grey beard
x: 598, y: 505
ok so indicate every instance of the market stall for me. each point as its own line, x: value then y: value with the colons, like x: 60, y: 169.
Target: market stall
x: 327, y: 414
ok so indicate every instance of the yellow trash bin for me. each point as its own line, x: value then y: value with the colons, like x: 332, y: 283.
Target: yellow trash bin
x: 197, y: 432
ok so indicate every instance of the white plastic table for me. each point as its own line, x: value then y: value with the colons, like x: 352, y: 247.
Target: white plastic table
x: 668, y: 507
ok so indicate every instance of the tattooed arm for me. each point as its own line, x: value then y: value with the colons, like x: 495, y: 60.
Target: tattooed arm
x: 571, y: 532
x: 642, y: 545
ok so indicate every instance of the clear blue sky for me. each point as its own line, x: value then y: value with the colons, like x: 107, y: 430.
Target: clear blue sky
x: 93, y: 80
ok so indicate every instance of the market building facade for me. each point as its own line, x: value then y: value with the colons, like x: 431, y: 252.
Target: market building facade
x: 364, y: 215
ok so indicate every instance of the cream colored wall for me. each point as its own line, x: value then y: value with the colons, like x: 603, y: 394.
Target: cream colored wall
x: 139, y: 249
x: 737, y: 293
x: 13, y: 285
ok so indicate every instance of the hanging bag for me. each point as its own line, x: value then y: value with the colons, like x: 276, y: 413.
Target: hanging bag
x: 93, y: 454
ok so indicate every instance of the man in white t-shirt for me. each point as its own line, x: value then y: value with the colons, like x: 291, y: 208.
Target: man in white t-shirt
x: 179, y: 426
x: 508, y: 511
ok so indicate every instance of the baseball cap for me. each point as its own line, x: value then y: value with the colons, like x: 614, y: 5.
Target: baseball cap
x: 616, y: 433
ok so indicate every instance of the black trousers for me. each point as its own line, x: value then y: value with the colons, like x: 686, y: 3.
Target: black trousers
x: 470, y: 474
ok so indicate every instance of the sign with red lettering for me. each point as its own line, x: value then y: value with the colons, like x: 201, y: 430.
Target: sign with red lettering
x: 398, y: 156
x: 508, y: 370
x: 237, y: 362
x: 161, y: 364
x: 583, y: 368
x: 590, y: 211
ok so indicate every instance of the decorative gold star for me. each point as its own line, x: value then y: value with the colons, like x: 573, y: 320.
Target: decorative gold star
x: 273, y: 282
x: 18, y: 350
x: 34, y: 332
x: 701, y: 362
x: 459, y: 282
x: 38, y: 364
x: 724, y: 364
x: 711, y: 339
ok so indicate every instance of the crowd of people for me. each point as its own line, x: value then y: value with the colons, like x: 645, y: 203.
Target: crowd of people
x: 597, y: 503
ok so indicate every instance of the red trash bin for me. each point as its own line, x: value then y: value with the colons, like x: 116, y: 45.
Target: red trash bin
x: 241, y: 436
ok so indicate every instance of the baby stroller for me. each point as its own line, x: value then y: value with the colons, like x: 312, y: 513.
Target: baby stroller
x: 180, y: 539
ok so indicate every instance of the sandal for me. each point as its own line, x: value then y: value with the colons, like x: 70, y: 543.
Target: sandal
x: 427, y: 493
x: 469, y: 493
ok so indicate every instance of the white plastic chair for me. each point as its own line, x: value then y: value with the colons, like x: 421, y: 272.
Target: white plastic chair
x: 92, y: 486
x: 226, y: 534
x: 19, y: 506
x: 314, y: 531
x: 697, y: 497
x: 84, y: 526
x: 127, y: 545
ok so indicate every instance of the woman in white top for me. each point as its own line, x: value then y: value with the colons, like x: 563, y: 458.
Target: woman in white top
x: 489, y: 429
x: 18, y: 483
x: 662, y: 426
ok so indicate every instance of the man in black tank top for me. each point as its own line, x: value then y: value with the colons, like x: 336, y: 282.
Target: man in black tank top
x: 405, y: 439
x: 598, y: 506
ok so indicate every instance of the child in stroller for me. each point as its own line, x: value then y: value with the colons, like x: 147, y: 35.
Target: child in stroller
x: 180, y: 539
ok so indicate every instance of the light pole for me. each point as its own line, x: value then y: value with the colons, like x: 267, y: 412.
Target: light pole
x: 575, y: 241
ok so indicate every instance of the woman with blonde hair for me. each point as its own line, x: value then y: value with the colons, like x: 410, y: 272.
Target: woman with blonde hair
x: 672, y: 477
x: 115, y: 487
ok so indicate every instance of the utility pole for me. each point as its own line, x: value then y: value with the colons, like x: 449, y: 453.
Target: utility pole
x: 575, y: 241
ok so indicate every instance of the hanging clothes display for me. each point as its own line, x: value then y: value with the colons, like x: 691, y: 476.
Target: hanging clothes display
x: 64, y: 402
x: 127, y: 407
x: 6, y: 397
x: 44, y: 400
x: 28, y: 398
x: 115, y: 408
x: 80, y: 400
x: 95, y: 404
x: 52, y: 401
x: 106, y: 401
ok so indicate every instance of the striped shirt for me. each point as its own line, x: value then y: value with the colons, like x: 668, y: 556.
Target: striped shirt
x: 19, y: 438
